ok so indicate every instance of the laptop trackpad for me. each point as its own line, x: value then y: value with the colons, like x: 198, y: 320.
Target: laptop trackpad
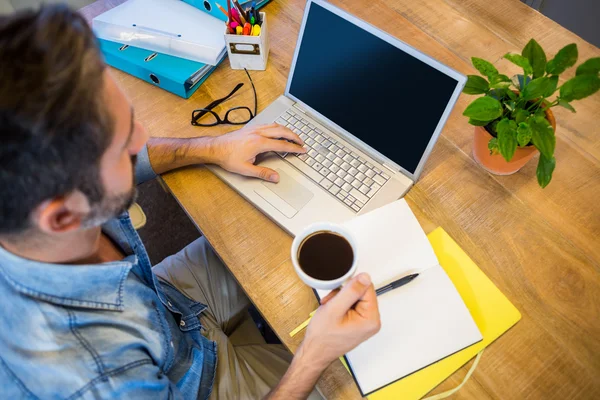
x: 288, y: 196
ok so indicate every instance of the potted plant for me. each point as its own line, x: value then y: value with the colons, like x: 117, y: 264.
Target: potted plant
x: 513, y: 120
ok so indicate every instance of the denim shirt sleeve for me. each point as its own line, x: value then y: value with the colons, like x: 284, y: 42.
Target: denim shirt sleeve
x: 143, y: 168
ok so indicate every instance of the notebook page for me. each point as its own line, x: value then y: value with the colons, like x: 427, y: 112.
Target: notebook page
x: 391, y: 244
x: 421, y: 323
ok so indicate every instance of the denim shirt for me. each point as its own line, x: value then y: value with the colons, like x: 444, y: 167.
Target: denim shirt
x: 111, y: 330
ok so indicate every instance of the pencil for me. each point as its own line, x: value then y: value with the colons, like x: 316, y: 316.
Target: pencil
x: 237, y: 16
x: 303, y: 325
x: 228, y: 11
x: 241, y: 10
x: 223, y: 10
x: 241, y: 16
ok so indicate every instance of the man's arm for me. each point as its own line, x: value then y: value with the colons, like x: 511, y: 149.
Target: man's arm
x: 235, y: 151
x: 300, y: 378
x: 345, y: 319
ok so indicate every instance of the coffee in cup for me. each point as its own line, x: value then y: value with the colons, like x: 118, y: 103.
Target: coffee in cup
x: 324, y: 255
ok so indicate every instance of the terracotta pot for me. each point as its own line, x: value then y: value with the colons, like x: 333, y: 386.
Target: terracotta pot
x: 495, y: 163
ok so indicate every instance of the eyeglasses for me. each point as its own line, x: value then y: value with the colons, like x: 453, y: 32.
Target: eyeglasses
x: 234, y: 116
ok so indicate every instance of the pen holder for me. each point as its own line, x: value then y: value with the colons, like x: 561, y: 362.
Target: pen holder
x: 250, y: 52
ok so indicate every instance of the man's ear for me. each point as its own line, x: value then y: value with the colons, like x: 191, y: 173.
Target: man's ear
x: 62, y: 214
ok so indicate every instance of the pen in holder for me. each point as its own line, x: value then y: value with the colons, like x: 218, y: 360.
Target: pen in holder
x: 250, y: 52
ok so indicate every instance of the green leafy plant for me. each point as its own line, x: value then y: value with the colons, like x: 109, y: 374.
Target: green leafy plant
x: 512, y: 110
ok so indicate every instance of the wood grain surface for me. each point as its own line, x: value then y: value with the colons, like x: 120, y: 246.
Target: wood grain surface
x: 539, y: 246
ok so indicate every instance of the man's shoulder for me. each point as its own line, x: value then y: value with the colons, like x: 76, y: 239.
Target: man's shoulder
x: 36, y: 343
x: 49, y: 350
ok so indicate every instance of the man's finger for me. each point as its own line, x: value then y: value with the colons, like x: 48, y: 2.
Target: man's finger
x: 281, y: 146
x: 256, y: 171
x: 278, y: 131
x: 367, y: 307
x: 351, y: 293
x: 329, y: 296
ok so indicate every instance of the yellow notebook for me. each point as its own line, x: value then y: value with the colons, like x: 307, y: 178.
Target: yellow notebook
x: 490, y: 309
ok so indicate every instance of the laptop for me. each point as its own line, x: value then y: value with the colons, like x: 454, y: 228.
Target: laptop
x: 369, y: 109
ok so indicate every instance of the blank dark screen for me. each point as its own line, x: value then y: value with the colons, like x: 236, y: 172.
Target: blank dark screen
x: 382, y: 95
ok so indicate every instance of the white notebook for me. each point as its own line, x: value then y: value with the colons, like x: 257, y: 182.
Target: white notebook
x: 166, y: 26
x: 423, y: 321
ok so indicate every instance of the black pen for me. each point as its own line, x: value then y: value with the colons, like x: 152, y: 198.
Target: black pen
x: 395, y: 284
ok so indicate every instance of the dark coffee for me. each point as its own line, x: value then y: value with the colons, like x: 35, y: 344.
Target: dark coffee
x: 325, y: 256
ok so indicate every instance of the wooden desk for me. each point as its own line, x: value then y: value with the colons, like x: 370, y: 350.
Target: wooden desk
x: 540, y: 247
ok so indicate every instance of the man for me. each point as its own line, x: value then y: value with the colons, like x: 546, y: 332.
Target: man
x: 83, y: 314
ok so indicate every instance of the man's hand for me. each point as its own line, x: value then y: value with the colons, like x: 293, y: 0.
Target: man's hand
x: 236, y: 151
x: 346, y: 318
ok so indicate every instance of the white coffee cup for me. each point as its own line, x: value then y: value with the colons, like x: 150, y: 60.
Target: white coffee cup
x: 323, y: 227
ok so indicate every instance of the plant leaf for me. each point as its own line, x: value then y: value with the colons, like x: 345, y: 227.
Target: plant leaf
x: 516, y: 82
x: 542, y: 135
x: 511, y: 95
x: 493, y: 145
x: 520, y: 115
x: 566, y: 104
x: 500, y: 85
x: 520, y: 61
x: 493, y: 124
x: 540, y: 113
x: 484, y: 67
x: 579, y: 87
x: 520, y: 81
x: 565, y: 58
x: 484, y: 109
x: 545, y: 169
x: 536, y: 88
x: 507, y: 138
x: 523, y: 134
x: 477, y: 123
x: 499, y: 78
x: 500, y: 81
x: 590, y: 67
x: 552, y: 87
x: 476, y: 85
x: 497, y: 94
x: 536, y: 57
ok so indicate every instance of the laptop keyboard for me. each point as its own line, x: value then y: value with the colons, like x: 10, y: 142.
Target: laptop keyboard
x: 347, y: 176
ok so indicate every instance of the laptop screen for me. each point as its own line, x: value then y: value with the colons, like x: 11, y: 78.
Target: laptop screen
x: 384, y: 96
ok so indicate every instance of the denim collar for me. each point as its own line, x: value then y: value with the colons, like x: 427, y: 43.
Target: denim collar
x: 95, y: 286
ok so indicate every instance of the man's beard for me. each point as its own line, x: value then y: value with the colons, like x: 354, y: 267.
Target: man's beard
x: 111, y: 205
x: 109, y: 208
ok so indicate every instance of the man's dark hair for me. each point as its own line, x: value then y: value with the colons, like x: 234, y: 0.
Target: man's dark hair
x: 54, y: 123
